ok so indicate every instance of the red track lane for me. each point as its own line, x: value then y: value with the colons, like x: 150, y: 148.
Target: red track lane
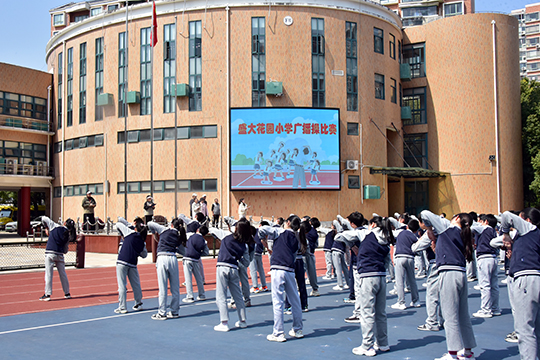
x: 96, y: 286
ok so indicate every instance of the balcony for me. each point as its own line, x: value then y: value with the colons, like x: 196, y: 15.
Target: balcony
x: 17, y: 122
x: 11, y: 167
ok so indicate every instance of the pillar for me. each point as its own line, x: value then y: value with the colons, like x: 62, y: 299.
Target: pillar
x: 23, y: 221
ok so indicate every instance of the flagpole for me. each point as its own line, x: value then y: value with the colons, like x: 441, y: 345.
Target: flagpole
x: 175, y: 125
x: 153, y: 36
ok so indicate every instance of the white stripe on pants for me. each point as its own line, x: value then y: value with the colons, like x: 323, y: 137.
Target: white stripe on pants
x: 123, y: 272
x: 228, y: 277
x: 489, y: 284
x: 284, y: 282
x: 167, y: 270
x: 373, y: 310
x: 453, y: 294
x: 50, y: 261
x: 526, y: 300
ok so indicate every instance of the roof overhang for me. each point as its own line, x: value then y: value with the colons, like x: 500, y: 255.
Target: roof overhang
x: 406, y: 172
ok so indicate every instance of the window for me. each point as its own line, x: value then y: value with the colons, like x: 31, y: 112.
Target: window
x: 122, y: 78
x: 533, y: 66
x: 531, y: 54
x: 414, y: 56
x: 210, y: 131
x: 453, y: 9
x: 60, y: 74
x: 99, y: 77
x: 354, y: 181
x: 169, y: 66
x: 69, y: 121
x: 69, y: 145
x: 185, y: 132
x: 317, y: 63
x: 80, y: 18
x: 133, y: 187
x: 82, y: 84
x: 352, y: 66
x: 112, y: 8
x: 197, y: 185
x: 146, y: 72
x: 210, y: 185
x: 393, y: 95
x: 183, y: 185
x: 415, y: 151
x: 196, y: 132
x: 59, y: 19
x: 95, y: 11
x: 379, y: 86
x: 23, y: 105
x: 399, y: 51
x: 416, y: 99
x: 392, y: 46
x: 133, y: 136
x: 195, y: 63
x: 144, y: 135
x: 532, y: 29
x: 352, y: 129
x: 169, y: 134
x: 533, y: 41
x: 98, y: 140
x: 258, y: 62
x: 378, y: 40
x: 532, y: 17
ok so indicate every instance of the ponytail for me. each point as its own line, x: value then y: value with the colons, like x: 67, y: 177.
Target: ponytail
x: 178, y: 224
x: 296, y: 225
x: 465, y: 221
x: 386, y: 227
x: 71, y: 234
x: 305, y: 227
x: 533, y: 215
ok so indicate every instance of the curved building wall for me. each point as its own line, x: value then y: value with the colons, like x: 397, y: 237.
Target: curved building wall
x: 461, y: 111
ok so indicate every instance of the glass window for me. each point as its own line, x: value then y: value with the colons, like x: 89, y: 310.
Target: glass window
x: 68, y: 190
x: 169, y: 133
x: 99, y: 188
x: 57, y: 192
x: 95, y: 11
x: 258, y: 63
x: 378, y: 40
x: 133, y: 136
x: 158, y: 134
x: 91, y: 141
x: 145, y: 186
x: 158, y: 186
x: 453, y: 9
x: 195, y: 63
x: 532, y: 16
x: 146, y: 72
x: 122, y: 80
x: 121, y: 137
x: 92, y: 188
x: 197, y: 185
x: 210, y: 185
x: 196, y: 132
x: 393, y: 95
x: 121, y: 188
x: 414, y: 56
x: 183, y: 132
x: 379, y: 86
x: 392, y: 46
x: 82, y: 84
x: 76, y: 143
x: 318, y: 86
x: 99, y: 78
x: 69, y: 144
x: 169, y: 185
x: 169, y: 66
x: 83, y: 142
x: 352, y: 66
x: 59, y: 19
x: 532, y: 29
x: 210, y: 131
x: 352, y: 128
x: 183, y: 185
x: 415, y: 151
x: 133, y: 187
x: 415, y: 98
x: 98, y: 140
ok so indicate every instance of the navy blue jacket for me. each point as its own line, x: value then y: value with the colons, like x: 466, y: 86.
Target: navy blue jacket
x: 450, y: 248
x: 230, y: 252
x: 371, y: 257
x: 525, y: 258
x: 195, y: 247
x: 329, y: 241
x: 132, y: 246
x: 192, y: 227
x: 259, y: 247
x: 284, y: 251
x: 483, y: 249
x: 404, y: 241
x: 313, y: 239
x: 339, y: 246
x: 56, y: 244
x: 169, y: 240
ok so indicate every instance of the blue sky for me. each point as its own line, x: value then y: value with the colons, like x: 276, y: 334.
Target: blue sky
x: 26, y: 27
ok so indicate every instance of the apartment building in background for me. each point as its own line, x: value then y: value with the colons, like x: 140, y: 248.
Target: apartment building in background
x: 529, y: 40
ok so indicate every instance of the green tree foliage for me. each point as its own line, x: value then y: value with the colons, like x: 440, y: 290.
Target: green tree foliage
x: 530, y: 122
x: 8, y: 198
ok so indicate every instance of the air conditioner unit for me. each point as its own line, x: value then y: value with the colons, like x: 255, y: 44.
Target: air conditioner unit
x: 351, y: 165
x: 41, y: 168
x: 11, y: 165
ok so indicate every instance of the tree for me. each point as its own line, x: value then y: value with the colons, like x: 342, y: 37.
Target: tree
x: 8, y: 198
x: 530, y: 120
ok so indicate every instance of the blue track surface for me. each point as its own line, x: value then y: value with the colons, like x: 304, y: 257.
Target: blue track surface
x: 99, y: 333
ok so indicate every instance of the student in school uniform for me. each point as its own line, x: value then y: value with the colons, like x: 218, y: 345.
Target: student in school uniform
x: 525, y: 269
x: 339, y: 248
x: 454, y: 248
x: 171, y: 240
x: 256, y: 265
x: 195, y: 248
x: 287, y: 243
x: 371, y: 285
x: 232, y: 251
x: 191, y: 227
x: 309, y: 258
x: 487, y: 262
x: 404, y: 266
x: 300, y: 273
x: 327, y: 248
x: 57, y: 246
x: 132, y: 246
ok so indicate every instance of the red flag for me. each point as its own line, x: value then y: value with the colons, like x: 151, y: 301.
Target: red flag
x: 154, y: 25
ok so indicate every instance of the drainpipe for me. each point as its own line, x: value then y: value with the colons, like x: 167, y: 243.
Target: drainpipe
x: 63, y: 126
x: 49, y: 88
x: 228, y: 113
x: 496, y: 106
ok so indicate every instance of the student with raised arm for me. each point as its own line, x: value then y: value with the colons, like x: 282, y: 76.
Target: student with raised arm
x: 132, y: 246
x: 57, y: 246
x: 370, y: 289
x: 454, y: 248
x: 195, y: 248
x: 525, y: 269
x: 172, y: 240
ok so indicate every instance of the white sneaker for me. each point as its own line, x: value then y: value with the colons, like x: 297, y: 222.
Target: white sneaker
x: 477, y: 287
x: 338, y: 288
x: 120, y: 311
x: 188, y: 300
x: 315, y: 293
x: 345, y: 287
x: 361, y: 351
x: 221, y: 327
x: 398, y: 306
x: 482, y: 314
x: 446, y: 356
x: 461, y: 355
x: 201, y: 298
x: 415, y: 304
x: 407, y: 290
x: 170, y: 315
x: 296, y: 334
x: 381, y: 348
x: 241, y: 324
x: 393, y: 291
x: 424, y: 285
x: 277, y: 338
x: 326, y: 277
x: 496, y: 312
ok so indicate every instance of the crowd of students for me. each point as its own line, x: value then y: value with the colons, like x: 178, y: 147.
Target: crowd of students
x: 363, y: 256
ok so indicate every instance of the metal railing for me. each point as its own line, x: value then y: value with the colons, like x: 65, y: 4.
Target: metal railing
x: 13, y: 168
x: 30, y: 255
x: 19, y: 122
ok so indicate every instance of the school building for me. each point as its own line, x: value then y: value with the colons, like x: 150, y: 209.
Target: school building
x: 429, y: 104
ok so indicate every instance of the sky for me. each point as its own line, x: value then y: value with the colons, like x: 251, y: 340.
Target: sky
x: 26, y: 25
